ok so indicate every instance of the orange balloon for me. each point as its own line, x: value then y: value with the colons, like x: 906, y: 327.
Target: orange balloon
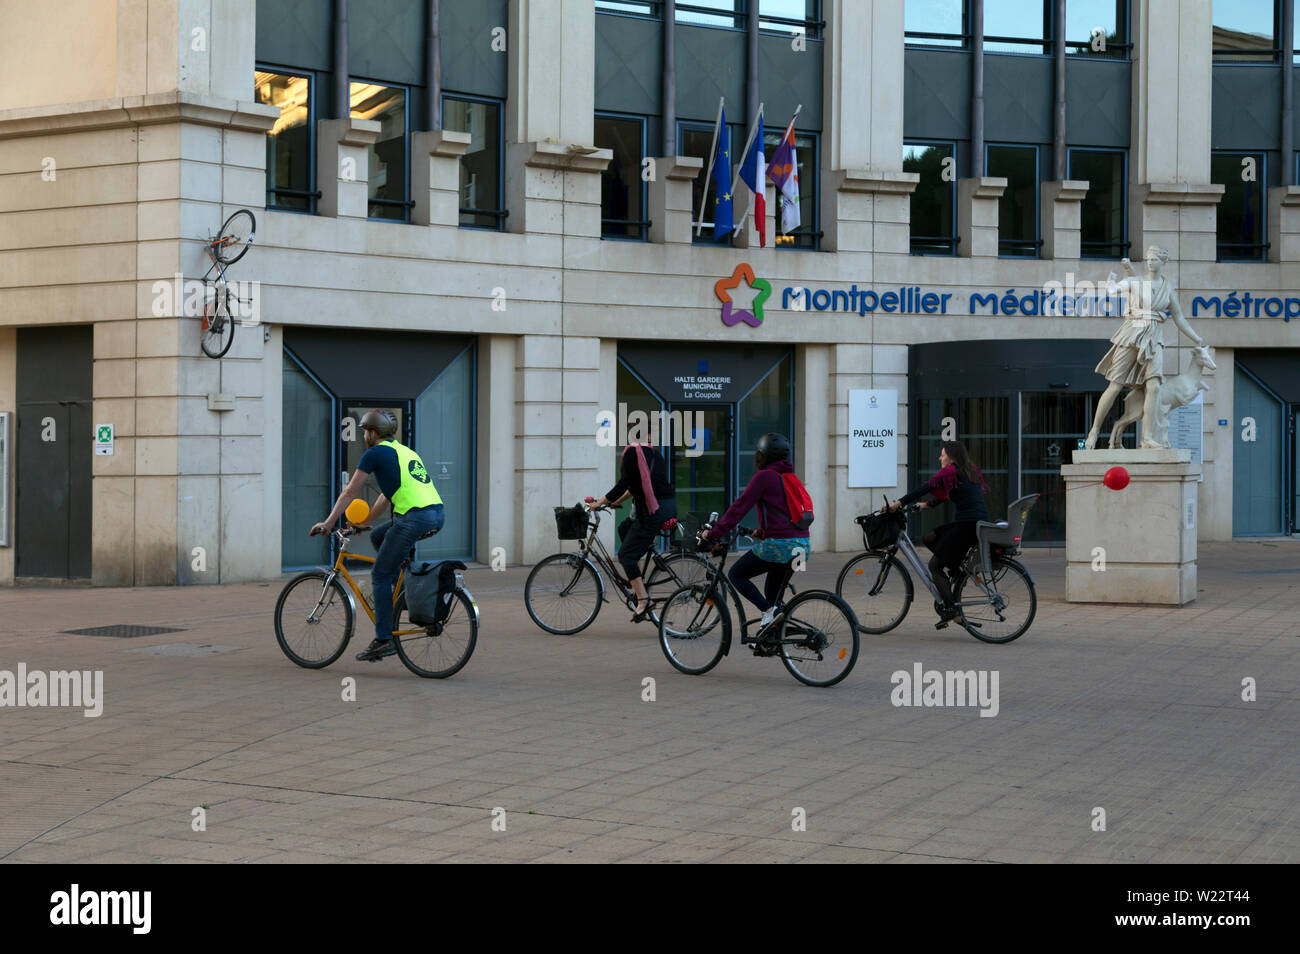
x: 357, y: 511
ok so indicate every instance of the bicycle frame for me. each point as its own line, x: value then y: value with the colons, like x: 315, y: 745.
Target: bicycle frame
x: 359, y: 598
x: 593, y: 551
x: 907, y: 549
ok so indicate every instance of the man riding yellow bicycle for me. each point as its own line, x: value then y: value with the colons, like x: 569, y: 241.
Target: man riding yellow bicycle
x: 406, y: 487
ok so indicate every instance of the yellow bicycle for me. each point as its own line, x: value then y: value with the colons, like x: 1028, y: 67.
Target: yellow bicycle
x: 315, y: 617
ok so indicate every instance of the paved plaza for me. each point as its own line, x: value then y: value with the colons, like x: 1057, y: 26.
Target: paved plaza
x: 1138, y: 712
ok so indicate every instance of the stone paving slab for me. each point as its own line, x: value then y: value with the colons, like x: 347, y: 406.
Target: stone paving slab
x: 1134, y: 710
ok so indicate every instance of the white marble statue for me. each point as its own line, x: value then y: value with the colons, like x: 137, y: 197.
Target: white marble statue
x: 1136, y: 358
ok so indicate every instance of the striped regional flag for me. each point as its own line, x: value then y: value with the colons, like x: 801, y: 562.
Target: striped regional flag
x: 782, y: 170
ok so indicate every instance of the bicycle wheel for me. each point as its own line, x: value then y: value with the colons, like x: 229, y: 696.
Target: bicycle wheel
x: 878, y: 589
x: 562, y: 594
x: 819, y: 638
x: 235, y: 237
x: 218, y: 326
x: 1010, y: 611
x: 694, y: 628
x: 313, y: 619
x: 438, y: 651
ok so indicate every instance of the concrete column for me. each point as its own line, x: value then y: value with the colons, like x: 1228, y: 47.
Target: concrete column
x: 496, y: 477
x: 863, y: 77
x: 813, y: 447
x: 342, y: 166
x: 435, y: 176
x: 542, y: 176
x: 539, y: 442
x: 1060, y: 218
x: 1171, y: 90
x: 551, y: 72
x: 864, y: 211
x: 977, y: 216
x: 1178, y: 216
x: 670, y: 198
x: 1284, y: 224
x: 851, y: 367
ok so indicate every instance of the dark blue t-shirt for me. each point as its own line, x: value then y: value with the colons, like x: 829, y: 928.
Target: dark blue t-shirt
x: 382, y: 462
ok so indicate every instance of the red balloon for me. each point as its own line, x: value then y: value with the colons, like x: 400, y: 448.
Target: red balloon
x: 1116, y: 478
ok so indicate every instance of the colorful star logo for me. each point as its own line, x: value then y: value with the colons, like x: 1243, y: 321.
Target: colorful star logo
x: 732, y: 315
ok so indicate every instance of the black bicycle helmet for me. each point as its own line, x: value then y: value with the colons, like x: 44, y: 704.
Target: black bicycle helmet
x: 382, y: 422
x: 773, y: 447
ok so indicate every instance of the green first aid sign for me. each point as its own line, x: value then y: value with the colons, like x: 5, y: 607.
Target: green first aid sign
x: 104, y: 440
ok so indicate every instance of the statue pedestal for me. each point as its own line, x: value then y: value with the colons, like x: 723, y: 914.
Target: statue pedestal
x: 1146, y: 532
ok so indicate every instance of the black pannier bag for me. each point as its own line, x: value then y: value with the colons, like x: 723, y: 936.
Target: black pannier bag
x: 571, y: 522
x: 430, y: 586
x: 881, y: 530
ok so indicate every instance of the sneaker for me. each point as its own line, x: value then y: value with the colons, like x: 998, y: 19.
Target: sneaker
x: 377, y: 650
x: 765, y: 621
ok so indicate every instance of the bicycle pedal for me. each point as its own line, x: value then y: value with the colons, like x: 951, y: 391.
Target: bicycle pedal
x: 942, y: 624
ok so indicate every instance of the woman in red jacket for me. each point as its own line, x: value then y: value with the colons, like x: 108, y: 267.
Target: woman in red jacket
x: 780, y: 538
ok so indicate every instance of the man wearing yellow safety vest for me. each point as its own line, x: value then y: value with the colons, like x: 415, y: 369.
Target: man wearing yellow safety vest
x: 405, y: 485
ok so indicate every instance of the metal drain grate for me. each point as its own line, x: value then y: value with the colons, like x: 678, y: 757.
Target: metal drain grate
x: 123, y: 631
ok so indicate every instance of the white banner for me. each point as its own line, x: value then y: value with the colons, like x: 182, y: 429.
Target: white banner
x: 873, y: 438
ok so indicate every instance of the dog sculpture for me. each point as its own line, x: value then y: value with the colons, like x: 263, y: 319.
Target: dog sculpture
x: 1176, y: 391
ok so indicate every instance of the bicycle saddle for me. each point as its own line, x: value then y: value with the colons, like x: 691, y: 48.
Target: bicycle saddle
x: 427, y: 533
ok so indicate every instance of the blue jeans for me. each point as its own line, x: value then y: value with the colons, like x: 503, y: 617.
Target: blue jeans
x: 393, y: 541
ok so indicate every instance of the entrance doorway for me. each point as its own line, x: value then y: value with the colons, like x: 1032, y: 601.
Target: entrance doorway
x: 700, y: 459
x: 52, y: 529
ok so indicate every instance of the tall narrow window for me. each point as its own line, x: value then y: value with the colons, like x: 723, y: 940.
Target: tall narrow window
x: 1017, y: 26
x: 289, y: 143
x: 1103, y: 219
x: 1241, y: 210
x: 934, y: 22
x: 1097, y: 28
x: 387, y: 166
x: 622, y: 190
x: 1245, y: 30
x: 933, y: 231
x: 1018, y: 207
x: 480, y: 167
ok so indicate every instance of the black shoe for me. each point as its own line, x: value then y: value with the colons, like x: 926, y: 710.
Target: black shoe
x: 377, y: 650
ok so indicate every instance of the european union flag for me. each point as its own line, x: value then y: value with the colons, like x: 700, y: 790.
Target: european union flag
x: 722, y: 220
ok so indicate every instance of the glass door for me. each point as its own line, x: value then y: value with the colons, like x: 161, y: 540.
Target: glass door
x: 702, y: 479
x: 353, y: 445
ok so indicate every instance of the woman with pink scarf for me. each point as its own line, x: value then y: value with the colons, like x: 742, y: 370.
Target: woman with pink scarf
x: 643, y: 474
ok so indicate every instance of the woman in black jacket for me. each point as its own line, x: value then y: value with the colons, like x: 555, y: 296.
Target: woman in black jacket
x: 960, y: 481
x: 644, y: 475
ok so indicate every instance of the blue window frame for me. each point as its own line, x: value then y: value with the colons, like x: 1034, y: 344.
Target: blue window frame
x: 1018, y: 208
x: 1242, y: 220
x: 1103, y: 226
x: 622, y: 186
x: 934, y: 201
x: 388, y: 175
x: 482, y: 168
x: 291, y: 143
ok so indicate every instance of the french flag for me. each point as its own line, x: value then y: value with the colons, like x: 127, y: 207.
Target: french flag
x: 753, y: 171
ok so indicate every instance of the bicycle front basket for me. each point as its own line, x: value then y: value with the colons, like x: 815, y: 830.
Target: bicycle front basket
x: 880, y: 530
x: 571, y: 522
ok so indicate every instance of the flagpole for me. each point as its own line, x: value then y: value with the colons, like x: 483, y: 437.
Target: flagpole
x: 708, y: 169
x: 753, y: 129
